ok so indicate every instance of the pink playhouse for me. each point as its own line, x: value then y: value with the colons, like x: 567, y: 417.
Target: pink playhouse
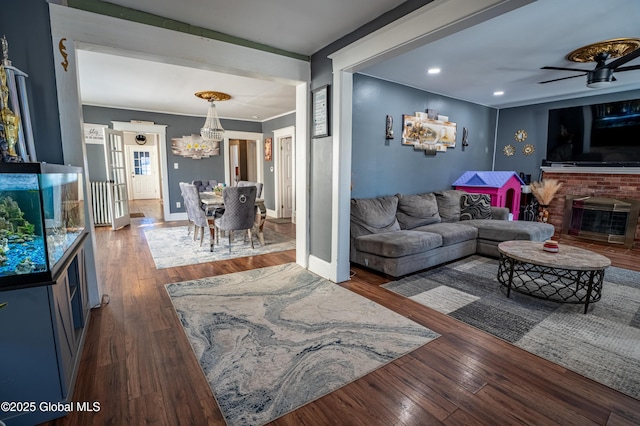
x: 503, y: 187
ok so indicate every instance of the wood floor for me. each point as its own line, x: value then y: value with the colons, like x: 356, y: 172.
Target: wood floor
x: 137, y: 362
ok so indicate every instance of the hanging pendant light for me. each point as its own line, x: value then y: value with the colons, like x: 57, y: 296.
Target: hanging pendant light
x: 212, y: 130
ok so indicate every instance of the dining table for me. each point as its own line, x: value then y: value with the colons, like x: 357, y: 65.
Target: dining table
x: 211, y: 200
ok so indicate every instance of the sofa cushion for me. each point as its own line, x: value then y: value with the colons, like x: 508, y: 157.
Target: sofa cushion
x: 475, y: 206
x: 417, y: 210
x: 451, y: 233
x: 504, y: 230
x: 373, y: 215
x: 449, y: 204
x: 398, y: 244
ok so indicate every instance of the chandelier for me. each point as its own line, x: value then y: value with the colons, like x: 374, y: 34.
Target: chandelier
x: 212, y: 130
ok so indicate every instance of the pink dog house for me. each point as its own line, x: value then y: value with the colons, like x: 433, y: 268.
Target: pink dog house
x: 503, y: 187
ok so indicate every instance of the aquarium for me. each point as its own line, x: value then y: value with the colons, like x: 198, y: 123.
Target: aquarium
x: 42, y: 219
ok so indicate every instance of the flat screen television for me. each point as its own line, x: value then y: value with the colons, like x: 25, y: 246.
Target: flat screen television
x: 606, y: 134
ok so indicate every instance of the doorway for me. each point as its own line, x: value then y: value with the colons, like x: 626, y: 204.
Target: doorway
x: 243, y: 163
x: 143, y: 174
x: 284, y: 168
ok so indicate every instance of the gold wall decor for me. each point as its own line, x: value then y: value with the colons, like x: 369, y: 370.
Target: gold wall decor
x: 509, y: 150
x: 521, y: 135
x: 428, y: 135
x: 528, y: 149
x: 63, y: 52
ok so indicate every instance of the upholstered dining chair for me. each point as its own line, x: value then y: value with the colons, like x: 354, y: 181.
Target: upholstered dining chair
x: 184, y: 203
x: 258, y: 186
x: 239, y: 211
x: 197, y: 215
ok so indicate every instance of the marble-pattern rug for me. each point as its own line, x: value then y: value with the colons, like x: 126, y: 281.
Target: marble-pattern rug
x: 603, y: 345
x: 273, y: 339
x: 173, y: 247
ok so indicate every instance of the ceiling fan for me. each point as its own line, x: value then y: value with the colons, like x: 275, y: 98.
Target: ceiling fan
x: 602, y: 74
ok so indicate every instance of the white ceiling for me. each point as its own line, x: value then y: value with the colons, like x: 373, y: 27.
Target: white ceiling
x: 504, y: 53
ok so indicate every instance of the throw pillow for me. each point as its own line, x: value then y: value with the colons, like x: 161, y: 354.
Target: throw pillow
x: 417, y: 210
x: 475, y: 206
x: 449, y: 204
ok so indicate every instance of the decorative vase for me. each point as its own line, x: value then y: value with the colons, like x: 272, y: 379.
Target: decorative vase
x: 543, y: 213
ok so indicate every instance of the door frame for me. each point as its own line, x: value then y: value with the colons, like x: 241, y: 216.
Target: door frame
x: 258, y: 137
x: 278, y: 169
x: 161, y: 131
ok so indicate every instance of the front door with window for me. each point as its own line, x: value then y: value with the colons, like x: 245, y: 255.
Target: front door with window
x: 144, y: 172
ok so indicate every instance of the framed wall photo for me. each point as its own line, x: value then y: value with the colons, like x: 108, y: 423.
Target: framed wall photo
x: 268, y: 142
x: 320, y: 112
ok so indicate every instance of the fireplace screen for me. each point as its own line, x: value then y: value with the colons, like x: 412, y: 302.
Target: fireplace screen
x: 601, y: 219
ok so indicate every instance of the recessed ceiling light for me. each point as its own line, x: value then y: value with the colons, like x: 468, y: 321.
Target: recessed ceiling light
x: 255, y: 116
x: 433, y: 71
x: 498, y: 93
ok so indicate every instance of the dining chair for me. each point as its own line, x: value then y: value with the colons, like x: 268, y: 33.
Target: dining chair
x: 184, y: 203
x: 197, y: 214
x: 239, y: 212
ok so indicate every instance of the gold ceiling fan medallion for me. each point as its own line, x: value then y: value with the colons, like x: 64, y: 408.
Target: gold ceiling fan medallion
x: 213, y: 96
x: 615, y: 47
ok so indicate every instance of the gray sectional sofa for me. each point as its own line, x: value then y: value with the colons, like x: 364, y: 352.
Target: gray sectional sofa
x: 401, y: 234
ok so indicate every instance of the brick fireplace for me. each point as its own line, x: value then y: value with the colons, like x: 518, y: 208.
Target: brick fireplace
x: 621, y: 183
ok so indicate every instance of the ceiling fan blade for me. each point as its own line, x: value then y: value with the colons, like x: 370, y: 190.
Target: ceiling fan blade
x: 563, y: 69
x: 563, y: 78
x: 623, y: 59
x: 628, y: 68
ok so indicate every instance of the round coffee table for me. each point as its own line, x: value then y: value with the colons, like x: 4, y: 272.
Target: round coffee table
x: 573, y: 275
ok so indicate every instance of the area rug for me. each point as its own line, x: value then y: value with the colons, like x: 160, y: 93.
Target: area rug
x: 173, y: 247
x: 273, y: 339
x: 603, y: 345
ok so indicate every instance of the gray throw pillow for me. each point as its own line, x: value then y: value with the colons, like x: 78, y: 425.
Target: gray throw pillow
x: 417, y: 210
x: 475, y: 206
x: 449, y: 204
x: 373, y: 215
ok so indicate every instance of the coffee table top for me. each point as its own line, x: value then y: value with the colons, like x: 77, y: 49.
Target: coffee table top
x: 568, y: 257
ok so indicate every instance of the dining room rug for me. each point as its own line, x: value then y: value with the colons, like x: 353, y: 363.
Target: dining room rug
x: 603, y: 345
x: 172, y: 246
x: 273, y: 339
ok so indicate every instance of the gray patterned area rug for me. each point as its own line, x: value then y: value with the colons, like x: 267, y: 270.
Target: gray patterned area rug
x: 603, y: 345
x: 173, y: 247
x: 273, y: 339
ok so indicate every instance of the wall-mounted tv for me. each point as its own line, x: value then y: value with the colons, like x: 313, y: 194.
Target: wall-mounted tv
x: 605, y: 134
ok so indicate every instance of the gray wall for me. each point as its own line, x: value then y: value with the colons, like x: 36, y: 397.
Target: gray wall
x: 268, y: 191
x: 534, y: 119
x: 177, y: 126
x: 381, y: 167
x: 320, y: 167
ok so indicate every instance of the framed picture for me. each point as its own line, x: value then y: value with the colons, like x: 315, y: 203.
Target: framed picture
x: 320, y: 112
x: 268, y: 142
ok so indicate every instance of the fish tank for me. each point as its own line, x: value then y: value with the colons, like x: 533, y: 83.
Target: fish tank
x: 42, y: 221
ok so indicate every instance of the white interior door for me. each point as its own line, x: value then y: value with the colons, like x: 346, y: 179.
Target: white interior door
x: 143, y: 170
x: 117, y: 175
x: 286, y: 145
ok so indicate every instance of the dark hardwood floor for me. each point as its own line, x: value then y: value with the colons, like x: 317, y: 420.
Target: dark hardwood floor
x: 137, y: 362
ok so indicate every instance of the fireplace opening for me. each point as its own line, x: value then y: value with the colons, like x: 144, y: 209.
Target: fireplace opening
x: 600, y: 219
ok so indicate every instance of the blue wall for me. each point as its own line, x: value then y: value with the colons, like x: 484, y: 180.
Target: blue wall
x: 26, y: 25
x: 534, y: 120
x: 381, y: 167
